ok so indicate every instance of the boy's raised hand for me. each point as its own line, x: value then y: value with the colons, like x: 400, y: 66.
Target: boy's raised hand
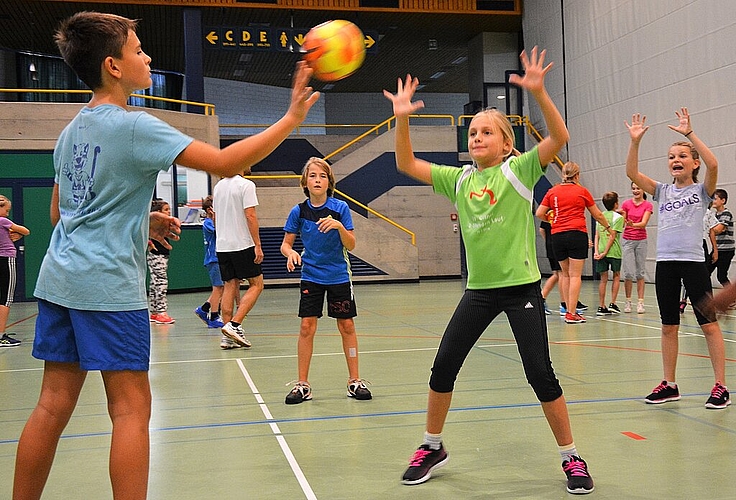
x: 303, y: 96
x: 638, y: 127
x: 534, y: 71
x: 402, y: 99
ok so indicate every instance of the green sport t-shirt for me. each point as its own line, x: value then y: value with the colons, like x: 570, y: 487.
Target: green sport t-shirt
x: 495, y: 214
x: 617, y: 223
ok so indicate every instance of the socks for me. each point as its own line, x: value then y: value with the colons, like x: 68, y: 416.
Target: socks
x: 206, y: 307
x: 568, y: 451
x: 434, y: 441
x: 214, y: 315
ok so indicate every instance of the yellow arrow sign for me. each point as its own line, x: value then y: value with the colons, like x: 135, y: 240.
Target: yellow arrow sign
x: 369, y: 41
x: 212, y: 37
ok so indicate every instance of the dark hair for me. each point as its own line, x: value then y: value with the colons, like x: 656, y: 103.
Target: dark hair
x: 721, y: 193
x: 610, y: 199
x: 207, y: 203
x: 158, y: 204
x: 86, y: 39
x: 644, y: 195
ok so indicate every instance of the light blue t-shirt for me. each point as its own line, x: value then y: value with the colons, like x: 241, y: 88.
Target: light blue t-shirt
x: 106, y: 162
x: 324, y: 259
x: 680, y: 224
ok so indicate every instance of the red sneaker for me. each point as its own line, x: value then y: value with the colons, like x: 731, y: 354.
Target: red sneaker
x: 162, y: 319
x: 574, y: 318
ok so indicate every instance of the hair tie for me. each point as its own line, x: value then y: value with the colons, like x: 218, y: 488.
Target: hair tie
x: 688, y: 133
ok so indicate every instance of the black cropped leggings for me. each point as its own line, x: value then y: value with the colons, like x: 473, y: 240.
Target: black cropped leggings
x: 524, y: 309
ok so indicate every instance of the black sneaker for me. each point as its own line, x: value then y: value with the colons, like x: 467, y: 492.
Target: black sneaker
x: 423, y: 462
x: 603, y: 311
x: 579, y: 481
x: 301, y: 392
x: 663, y: 393
x: 7, y: 341
x: 358, y: 390
x: 718, y: 398
x: 614, y: 308
x: 581, y: 306
x: 683, y: 305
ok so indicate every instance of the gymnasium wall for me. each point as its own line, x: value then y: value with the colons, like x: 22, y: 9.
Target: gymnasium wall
x: 625, y: 56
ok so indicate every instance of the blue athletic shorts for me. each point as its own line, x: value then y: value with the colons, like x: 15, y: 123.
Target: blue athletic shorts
x: 97, y: 340
x: 213, y: 270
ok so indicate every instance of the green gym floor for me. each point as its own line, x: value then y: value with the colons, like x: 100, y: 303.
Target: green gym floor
x: 220, y: 428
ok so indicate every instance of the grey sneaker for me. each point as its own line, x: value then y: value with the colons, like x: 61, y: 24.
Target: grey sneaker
x: 236, y: 334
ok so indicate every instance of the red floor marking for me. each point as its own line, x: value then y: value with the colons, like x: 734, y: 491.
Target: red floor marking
x: 634, y: 435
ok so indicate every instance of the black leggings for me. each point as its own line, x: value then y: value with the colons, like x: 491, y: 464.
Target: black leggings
x: 524, y: 309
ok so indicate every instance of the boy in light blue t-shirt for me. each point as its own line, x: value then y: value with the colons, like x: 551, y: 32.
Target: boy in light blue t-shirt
x: 92, y: 308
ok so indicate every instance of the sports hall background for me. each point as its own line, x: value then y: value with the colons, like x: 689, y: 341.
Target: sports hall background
x: 611, y: 59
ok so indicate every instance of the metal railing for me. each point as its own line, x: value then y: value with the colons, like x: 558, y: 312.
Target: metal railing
x: 209, y: 109
x: 343, y: 195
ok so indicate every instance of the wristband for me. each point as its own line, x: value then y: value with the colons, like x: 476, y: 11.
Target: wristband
x: 688, y: 133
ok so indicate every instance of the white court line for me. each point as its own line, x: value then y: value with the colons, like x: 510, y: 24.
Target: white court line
x: 279, y: 436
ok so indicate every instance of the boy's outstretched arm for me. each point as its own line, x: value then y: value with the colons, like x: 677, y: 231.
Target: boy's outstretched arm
x: 406, y: 162
x: 242, y: 155
x: 637, y: 129
x: 533, y: 82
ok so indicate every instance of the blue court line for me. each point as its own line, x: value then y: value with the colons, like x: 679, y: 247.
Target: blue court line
x: 400, y: 413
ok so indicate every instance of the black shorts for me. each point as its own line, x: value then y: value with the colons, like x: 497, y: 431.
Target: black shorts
x: 570, y: 245
x: 238, y: 265
x: 340, y: 300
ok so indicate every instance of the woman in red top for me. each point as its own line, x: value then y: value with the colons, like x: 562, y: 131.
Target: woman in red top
x: 567, y: 202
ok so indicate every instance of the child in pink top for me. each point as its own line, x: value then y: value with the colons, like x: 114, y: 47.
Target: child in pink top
x: 637, y: 212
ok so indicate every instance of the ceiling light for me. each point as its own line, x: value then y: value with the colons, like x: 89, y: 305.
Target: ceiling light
x: 459, y: 60
x: 328, y: 86
x: 500, y: 97
x: 437, y: 75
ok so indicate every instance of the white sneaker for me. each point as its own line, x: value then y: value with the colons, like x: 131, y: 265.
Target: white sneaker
x: 236, y: 334
x: 226, y: 343
x: 627, y: 307
x: 640, y: 308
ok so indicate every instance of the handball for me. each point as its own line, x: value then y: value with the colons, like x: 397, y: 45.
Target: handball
x: 334, y: 50
x: 550, y: 215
